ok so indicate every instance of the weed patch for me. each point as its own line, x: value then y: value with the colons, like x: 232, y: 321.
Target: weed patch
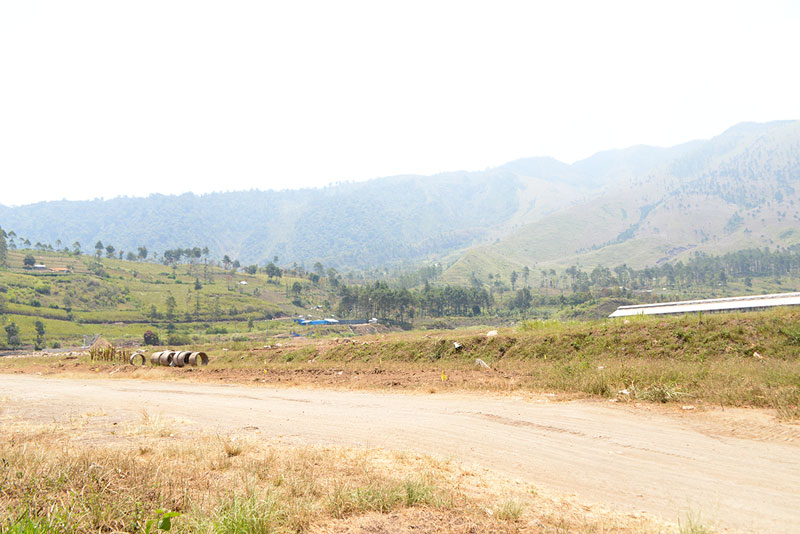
x: 509, y: 510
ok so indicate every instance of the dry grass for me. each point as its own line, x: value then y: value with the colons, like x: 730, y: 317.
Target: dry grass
x: 78, y: 478
x: 727, y: 359
x: 509, y: 510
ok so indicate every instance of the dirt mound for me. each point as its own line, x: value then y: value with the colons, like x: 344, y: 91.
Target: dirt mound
x: 368, y: 329
x: 100, y: 343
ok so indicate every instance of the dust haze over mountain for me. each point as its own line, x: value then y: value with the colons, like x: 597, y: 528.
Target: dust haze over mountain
x: 641, y: 206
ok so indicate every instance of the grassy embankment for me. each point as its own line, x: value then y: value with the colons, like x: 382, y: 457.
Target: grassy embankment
x: 750, y: 359
x: 91, y: 474
x: 746, y: 359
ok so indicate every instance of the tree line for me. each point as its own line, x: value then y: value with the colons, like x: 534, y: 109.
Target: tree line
x: 699, y: 271
x: 13, y: 340
x: 401, y: 304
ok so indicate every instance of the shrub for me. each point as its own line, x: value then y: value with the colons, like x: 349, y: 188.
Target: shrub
x: 151, y: 338
x: 510, y: 511
x: 439, y: 324
x: 98, y: 270
x: 248, y: 514
x: 178, y: 339
x: 216, y: 330
x: 42, y: 289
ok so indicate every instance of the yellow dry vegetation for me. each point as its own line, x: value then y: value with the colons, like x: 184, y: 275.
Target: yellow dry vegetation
x: 89, y: 474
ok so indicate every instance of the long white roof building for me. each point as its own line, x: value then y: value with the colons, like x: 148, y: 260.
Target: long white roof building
x: 711, y: 305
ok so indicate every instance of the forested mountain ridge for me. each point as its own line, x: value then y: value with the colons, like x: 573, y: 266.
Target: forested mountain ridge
x: 641, y: 206
x: 738, y: 190
x: 355, y: 225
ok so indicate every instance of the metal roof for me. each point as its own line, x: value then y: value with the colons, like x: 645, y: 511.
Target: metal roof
x: 723, y: 304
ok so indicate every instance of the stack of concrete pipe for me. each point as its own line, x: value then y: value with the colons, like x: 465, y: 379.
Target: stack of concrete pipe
x: 172, y: 358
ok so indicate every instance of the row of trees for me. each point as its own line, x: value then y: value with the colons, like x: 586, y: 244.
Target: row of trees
x: 701, y: 270
x: 8, y: 240
x: 169, y: 257
x: 177, y: 255
x: 380, y: 300
x: 12, y: 335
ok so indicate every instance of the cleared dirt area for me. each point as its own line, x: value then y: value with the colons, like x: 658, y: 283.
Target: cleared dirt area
x: 669, y: 465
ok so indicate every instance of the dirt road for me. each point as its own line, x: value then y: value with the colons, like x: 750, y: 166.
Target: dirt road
x: 637, y: 460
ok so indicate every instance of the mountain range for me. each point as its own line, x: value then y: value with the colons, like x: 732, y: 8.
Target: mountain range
x: 641, y: 206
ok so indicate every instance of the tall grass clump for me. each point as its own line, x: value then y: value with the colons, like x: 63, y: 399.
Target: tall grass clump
x: 510, y: 510
x: 25, y: 524
x: 693, y: 525
x: 252, y: 513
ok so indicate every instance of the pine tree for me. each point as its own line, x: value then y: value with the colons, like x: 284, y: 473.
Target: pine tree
x: 171, y: 305
x: 3, y: 249
x: 39, y: 325
x: 12, y: 334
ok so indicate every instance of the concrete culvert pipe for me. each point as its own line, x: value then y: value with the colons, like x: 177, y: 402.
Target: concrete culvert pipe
x: 181, y: 358
x: 155, y: 358
x: 137, y: 355
x: 196, y: 358
x: 167, y: 358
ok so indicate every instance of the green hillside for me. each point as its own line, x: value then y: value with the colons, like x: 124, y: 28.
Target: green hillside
x: 122, y: 299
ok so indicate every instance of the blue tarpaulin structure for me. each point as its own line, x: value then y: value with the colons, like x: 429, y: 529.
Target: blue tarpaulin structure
x: 311, y: 322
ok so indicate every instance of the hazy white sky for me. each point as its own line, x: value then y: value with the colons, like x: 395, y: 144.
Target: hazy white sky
x: 108, y: 98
